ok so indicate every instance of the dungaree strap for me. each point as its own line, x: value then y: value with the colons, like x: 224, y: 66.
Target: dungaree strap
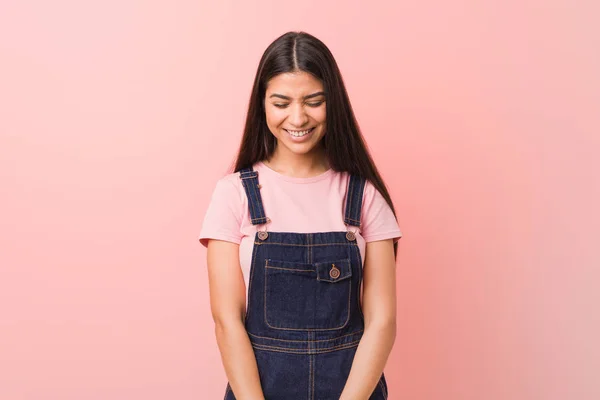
x: 354, y: 200
x: 249, y: 179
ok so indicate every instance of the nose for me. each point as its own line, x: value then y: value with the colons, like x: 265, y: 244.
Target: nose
x: 298, y: 117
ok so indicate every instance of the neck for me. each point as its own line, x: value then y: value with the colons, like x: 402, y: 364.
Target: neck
x: 298, y: 165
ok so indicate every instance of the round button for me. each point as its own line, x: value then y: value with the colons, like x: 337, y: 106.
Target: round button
x: 262, y: 235
x: 334, y: 272
x: 350, y: 236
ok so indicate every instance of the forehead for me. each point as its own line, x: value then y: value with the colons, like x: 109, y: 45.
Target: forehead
x: 294, y: 84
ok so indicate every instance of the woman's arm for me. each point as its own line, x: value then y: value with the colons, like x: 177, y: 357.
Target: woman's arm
x: 228, y: 305
x: 379, y: 309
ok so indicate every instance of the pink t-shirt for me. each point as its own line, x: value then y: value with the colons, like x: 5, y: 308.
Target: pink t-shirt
x: 303, y: 205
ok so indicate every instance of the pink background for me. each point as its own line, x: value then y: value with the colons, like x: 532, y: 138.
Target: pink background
x: 117, y: 117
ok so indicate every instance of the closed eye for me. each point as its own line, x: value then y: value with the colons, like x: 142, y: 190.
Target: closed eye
x: 317, y: 104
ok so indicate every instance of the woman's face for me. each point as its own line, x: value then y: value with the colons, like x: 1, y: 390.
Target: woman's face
x: 295, y: 104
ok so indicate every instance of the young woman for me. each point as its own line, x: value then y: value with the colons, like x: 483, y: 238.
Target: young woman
x: 294, y: 233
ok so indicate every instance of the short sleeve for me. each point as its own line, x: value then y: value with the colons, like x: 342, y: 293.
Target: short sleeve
x: 222, y: 220
x: 378, y: 221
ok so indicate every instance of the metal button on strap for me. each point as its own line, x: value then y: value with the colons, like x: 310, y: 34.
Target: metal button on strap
x: 262, y: 235
x: 334, y: 272
x: 350, y: 236
x: 259, y: 186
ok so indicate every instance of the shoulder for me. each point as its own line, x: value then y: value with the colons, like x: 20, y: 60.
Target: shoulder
x: 231, y: 179
x: 379, y: 221
x: 224, y: 215
x: 229, y: 190
x: 370, y: 193
x: 373, y: 200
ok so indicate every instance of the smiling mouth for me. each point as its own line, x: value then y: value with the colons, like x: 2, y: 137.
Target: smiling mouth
x: 300, y: 133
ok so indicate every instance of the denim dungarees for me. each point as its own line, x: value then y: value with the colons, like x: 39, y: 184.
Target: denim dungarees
x: 304, y: 317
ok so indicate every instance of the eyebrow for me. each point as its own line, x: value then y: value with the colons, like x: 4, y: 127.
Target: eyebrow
x: 305, y: 97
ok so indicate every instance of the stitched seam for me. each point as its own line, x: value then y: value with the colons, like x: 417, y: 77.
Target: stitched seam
x: 349, y: 199
x: 291, y: 269
x: 313, y: 378
x: 250, y: 200
x: 249, y: 195
x: 259, y: 197
x: 310, y: 372
x: 349, y: 283
x: 310, y: 250
x: 304, y: 341
x: 353, y: 243
x: 309, y: 375
x: 247, y: 170
x: 341, y: 278
x: 301, y: 351
x: 284, y: 264
x: 252, y: 268
x: 261, y: 211
x: 310, y: 260
x: 265, y: 293
x: 250, y: 186
x: 309, y: 348
x: 359, y: 258
x: 347, y: 268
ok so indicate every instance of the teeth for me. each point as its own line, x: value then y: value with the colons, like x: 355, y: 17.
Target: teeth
x: 298, y: 133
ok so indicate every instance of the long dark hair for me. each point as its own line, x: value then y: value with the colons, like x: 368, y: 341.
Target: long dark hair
x: 343, y: 143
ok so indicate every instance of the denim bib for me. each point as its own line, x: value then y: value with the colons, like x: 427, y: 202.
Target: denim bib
x: 304, y: 318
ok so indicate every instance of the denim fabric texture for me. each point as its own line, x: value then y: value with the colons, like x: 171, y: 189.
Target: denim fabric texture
x: 304, y: 317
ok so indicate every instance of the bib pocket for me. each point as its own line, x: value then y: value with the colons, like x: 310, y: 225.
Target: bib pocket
x: 303, y: 296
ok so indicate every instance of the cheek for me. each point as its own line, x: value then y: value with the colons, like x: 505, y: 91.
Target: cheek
x: 274, y: 116
x: 319, y: 115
